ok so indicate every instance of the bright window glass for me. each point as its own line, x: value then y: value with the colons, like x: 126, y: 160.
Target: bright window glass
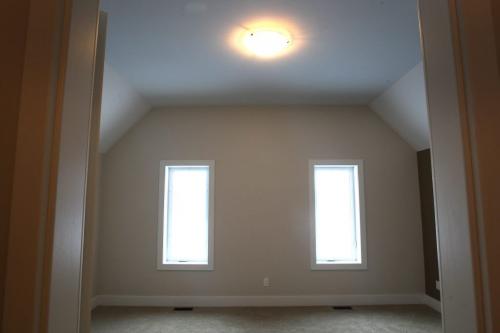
x: 336, y: 214
x: 186, y: 215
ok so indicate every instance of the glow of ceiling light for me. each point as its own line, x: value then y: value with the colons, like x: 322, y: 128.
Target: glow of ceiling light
x: 266, y: 38
x: 266, y: 43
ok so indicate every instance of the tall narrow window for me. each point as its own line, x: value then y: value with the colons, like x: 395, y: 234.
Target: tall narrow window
x: 337, y: 215
x: 185, y: 239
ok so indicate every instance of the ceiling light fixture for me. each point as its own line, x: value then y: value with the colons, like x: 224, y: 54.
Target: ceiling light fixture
x: 266, y: 38
x: 266, y: 43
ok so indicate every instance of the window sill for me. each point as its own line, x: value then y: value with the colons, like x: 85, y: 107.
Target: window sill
x: 338, y: 266
x: 184, y: 267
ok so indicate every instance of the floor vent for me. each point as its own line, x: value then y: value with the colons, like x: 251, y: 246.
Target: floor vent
x: 342, y: 307
x: 183, y: 309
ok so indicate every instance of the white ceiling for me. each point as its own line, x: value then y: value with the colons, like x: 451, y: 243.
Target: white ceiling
x: 176, y: 52
x: 121, y: 108
x: 404, y: 108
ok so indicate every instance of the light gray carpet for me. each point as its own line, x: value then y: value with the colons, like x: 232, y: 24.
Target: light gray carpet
x: 381, y: 319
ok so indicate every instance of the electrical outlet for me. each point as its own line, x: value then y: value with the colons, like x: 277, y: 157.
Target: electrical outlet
x: 266, y: 282
x: 438, y: 285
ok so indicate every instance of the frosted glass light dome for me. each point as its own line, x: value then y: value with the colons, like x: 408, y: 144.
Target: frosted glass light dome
x: 266, y: 43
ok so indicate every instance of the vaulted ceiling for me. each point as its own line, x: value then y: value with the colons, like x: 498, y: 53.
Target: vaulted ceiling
x: 178, y: 52
x: 403, y: 106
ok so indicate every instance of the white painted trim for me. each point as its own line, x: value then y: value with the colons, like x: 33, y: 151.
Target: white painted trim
x: 450, y: 175
x: 360, y: 188
x: 262, y: 301
x: 431, y: 302
x: 161, y: 202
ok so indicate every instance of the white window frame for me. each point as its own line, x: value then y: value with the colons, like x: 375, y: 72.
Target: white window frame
x: 362, y: 222
x: 161, y: 223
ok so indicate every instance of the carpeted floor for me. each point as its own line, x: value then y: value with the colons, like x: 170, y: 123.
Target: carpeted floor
x: 381, y: 319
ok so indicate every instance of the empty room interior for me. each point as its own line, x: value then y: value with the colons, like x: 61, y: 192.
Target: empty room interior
x: 261, y: 166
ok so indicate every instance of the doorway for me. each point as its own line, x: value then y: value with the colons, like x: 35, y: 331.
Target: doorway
x: 447, y: 129
x: 266, y: 124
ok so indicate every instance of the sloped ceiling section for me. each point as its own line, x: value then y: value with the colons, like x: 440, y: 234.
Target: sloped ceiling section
x: 403, y: 106
x: 122, y: 106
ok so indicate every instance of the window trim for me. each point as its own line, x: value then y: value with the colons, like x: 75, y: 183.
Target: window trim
x: 362, y: 220
x: 161, y: 223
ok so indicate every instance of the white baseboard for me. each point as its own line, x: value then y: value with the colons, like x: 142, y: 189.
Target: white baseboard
x: 431, y: 302
x: 262, y: 301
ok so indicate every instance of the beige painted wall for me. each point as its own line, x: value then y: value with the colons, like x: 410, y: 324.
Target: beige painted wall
x: 261, y: 202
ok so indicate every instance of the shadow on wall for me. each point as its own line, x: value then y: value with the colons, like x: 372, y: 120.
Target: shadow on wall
x: 428, y: 223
